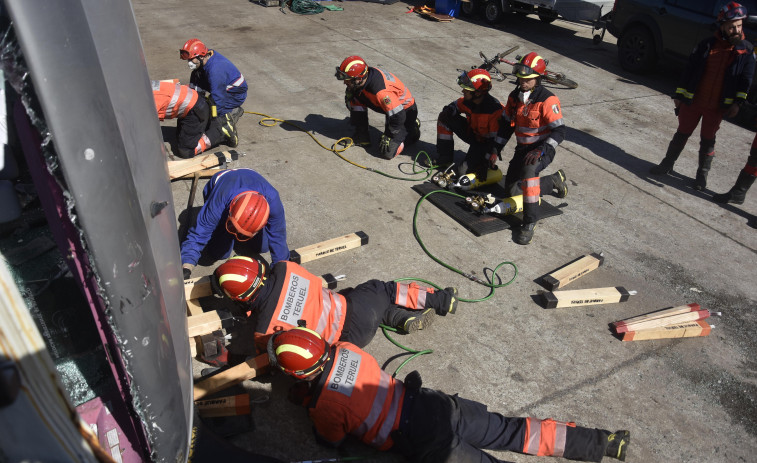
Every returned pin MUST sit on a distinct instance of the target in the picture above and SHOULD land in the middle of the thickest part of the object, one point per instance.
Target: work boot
(418, 322)
(618, 446)
(449, 301)
(706, 155)
(561, 183)
(229, 130)
(525, 233)
(237, 113)
(675, 147)
(361, 137)
(737, 193)
(414, 134)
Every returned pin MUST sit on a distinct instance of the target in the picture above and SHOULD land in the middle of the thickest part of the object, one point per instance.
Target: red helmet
(475, 79)
(353, 67)
(192, 49)
(731, 11)
(531, 65)
(240, 277)
(248, 214)
(299, 352)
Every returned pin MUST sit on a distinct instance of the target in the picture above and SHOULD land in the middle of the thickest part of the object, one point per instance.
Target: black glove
(388, 147)
(445, 117)
(533, 156)
(187, 273)
(347, 99)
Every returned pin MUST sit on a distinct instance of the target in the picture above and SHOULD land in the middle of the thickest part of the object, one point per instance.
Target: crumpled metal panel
(86, 62)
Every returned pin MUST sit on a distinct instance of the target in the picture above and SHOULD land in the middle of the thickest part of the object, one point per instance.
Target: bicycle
(490, 65)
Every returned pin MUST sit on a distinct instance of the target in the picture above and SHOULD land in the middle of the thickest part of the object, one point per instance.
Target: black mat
(478, 224)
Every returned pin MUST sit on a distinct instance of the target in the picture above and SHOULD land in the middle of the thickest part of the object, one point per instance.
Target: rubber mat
(478, 224)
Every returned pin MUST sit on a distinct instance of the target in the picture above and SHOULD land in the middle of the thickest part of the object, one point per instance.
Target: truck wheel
(493, 11)
(636, 49)
(470, 8)
(546, 15)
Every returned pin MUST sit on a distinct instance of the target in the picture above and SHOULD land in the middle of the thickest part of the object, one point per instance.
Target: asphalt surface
(688, 400)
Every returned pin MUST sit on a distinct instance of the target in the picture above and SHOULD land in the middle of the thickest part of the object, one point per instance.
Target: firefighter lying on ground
(280, 296)
(173, 100)
(239, 203)
(346, 392)
(381, 91)
(475, 119)
(534, 115)
(215, 76)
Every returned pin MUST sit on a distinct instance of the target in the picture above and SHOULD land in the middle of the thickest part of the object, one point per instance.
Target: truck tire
(493, 11)
(470, 8)
(636, 49)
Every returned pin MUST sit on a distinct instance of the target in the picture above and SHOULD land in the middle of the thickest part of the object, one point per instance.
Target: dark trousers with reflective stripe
(517, 171)
(190, 128)
(372, 303)
(476, 160)
(436, 427)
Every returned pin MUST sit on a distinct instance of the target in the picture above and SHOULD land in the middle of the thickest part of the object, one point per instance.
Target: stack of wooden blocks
(684, 321)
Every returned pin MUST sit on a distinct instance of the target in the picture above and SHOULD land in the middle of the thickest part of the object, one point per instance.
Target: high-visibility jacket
(172, 99)
(483, 119)
(384, 93)
(737, 78)
(536, 122)
(291, 293)
(355, 396)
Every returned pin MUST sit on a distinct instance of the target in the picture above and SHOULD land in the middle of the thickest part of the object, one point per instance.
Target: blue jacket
(224, 82)
(218, 193)
(738, 74)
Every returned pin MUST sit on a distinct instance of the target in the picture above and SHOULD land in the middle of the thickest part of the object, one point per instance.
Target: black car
(648, 30)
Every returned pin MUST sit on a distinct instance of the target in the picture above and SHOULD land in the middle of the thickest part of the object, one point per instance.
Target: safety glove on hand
(385, 145)
(533, 156)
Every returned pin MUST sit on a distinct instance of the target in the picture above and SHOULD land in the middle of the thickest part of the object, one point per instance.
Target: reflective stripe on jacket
(383, 93)
(172, 99)
(537, 121)
(355, 396)
(300, 295)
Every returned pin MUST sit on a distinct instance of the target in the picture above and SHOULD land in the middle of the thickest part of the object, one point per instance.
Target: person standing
(534, 115)
(347, 393)
(214, 75)
(737, 193)
(383, 92)
(713, 85)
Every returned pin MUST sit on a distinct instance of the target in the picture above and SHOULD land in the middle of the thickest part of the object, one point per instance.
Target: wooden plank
(207, 173)
(234, 375)
(177, 169)
(577, 297)
(224, 406)
(193, 307)
(197, 287)
(572, 271)
(679, 330)
(207, 322)
(658, 314)
(328, 247)
(658, 322)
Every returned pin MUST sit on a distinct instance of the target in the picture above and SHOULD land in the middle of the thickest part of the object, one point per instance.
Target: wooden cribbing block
(207, 173)
(208, 322)
(572, 271)
(576, 297)
(197, 287)
(249, 369)
(232, 405)
(177, 169)
(679, 330)
(328, 247)
(658, 322)
(658, 314)
(193, 307)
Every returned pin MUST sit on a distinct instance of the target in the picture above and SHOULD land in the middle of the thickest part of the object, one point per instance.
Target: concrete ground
(689, 400)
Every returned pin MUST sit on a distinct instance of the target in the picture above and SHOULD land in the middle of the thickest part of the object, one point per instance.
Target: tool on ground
(328, 247)
(507, 206)
(594, 296)
(442, 179)
(572, 271)
(490, 65)
(234, 405)
(478, 203)
(689, 316)
(471, 181)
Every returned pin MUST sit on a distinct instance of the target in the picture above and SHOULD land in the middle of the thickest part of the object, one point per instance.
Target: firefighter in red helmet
(176, 101)
(533, 114)
(474, 118)
(347, 393)
(383, 92)
(286, 295)
(241, 209)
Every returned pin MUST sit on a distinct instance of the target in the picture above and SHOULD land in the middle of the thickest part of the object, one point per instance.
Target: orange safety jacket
(483, 121)
(384, 93)
(301, 296)
(172, 99)
(355, 396)
(536, 122)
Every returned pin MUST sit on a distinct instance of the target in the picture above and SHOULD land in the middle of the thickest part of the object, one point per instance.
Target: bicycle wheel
(558, 78)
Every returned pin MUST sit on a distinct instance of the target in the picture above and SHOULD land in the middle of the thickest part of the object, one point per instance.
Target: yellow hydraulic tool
(471, 182)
